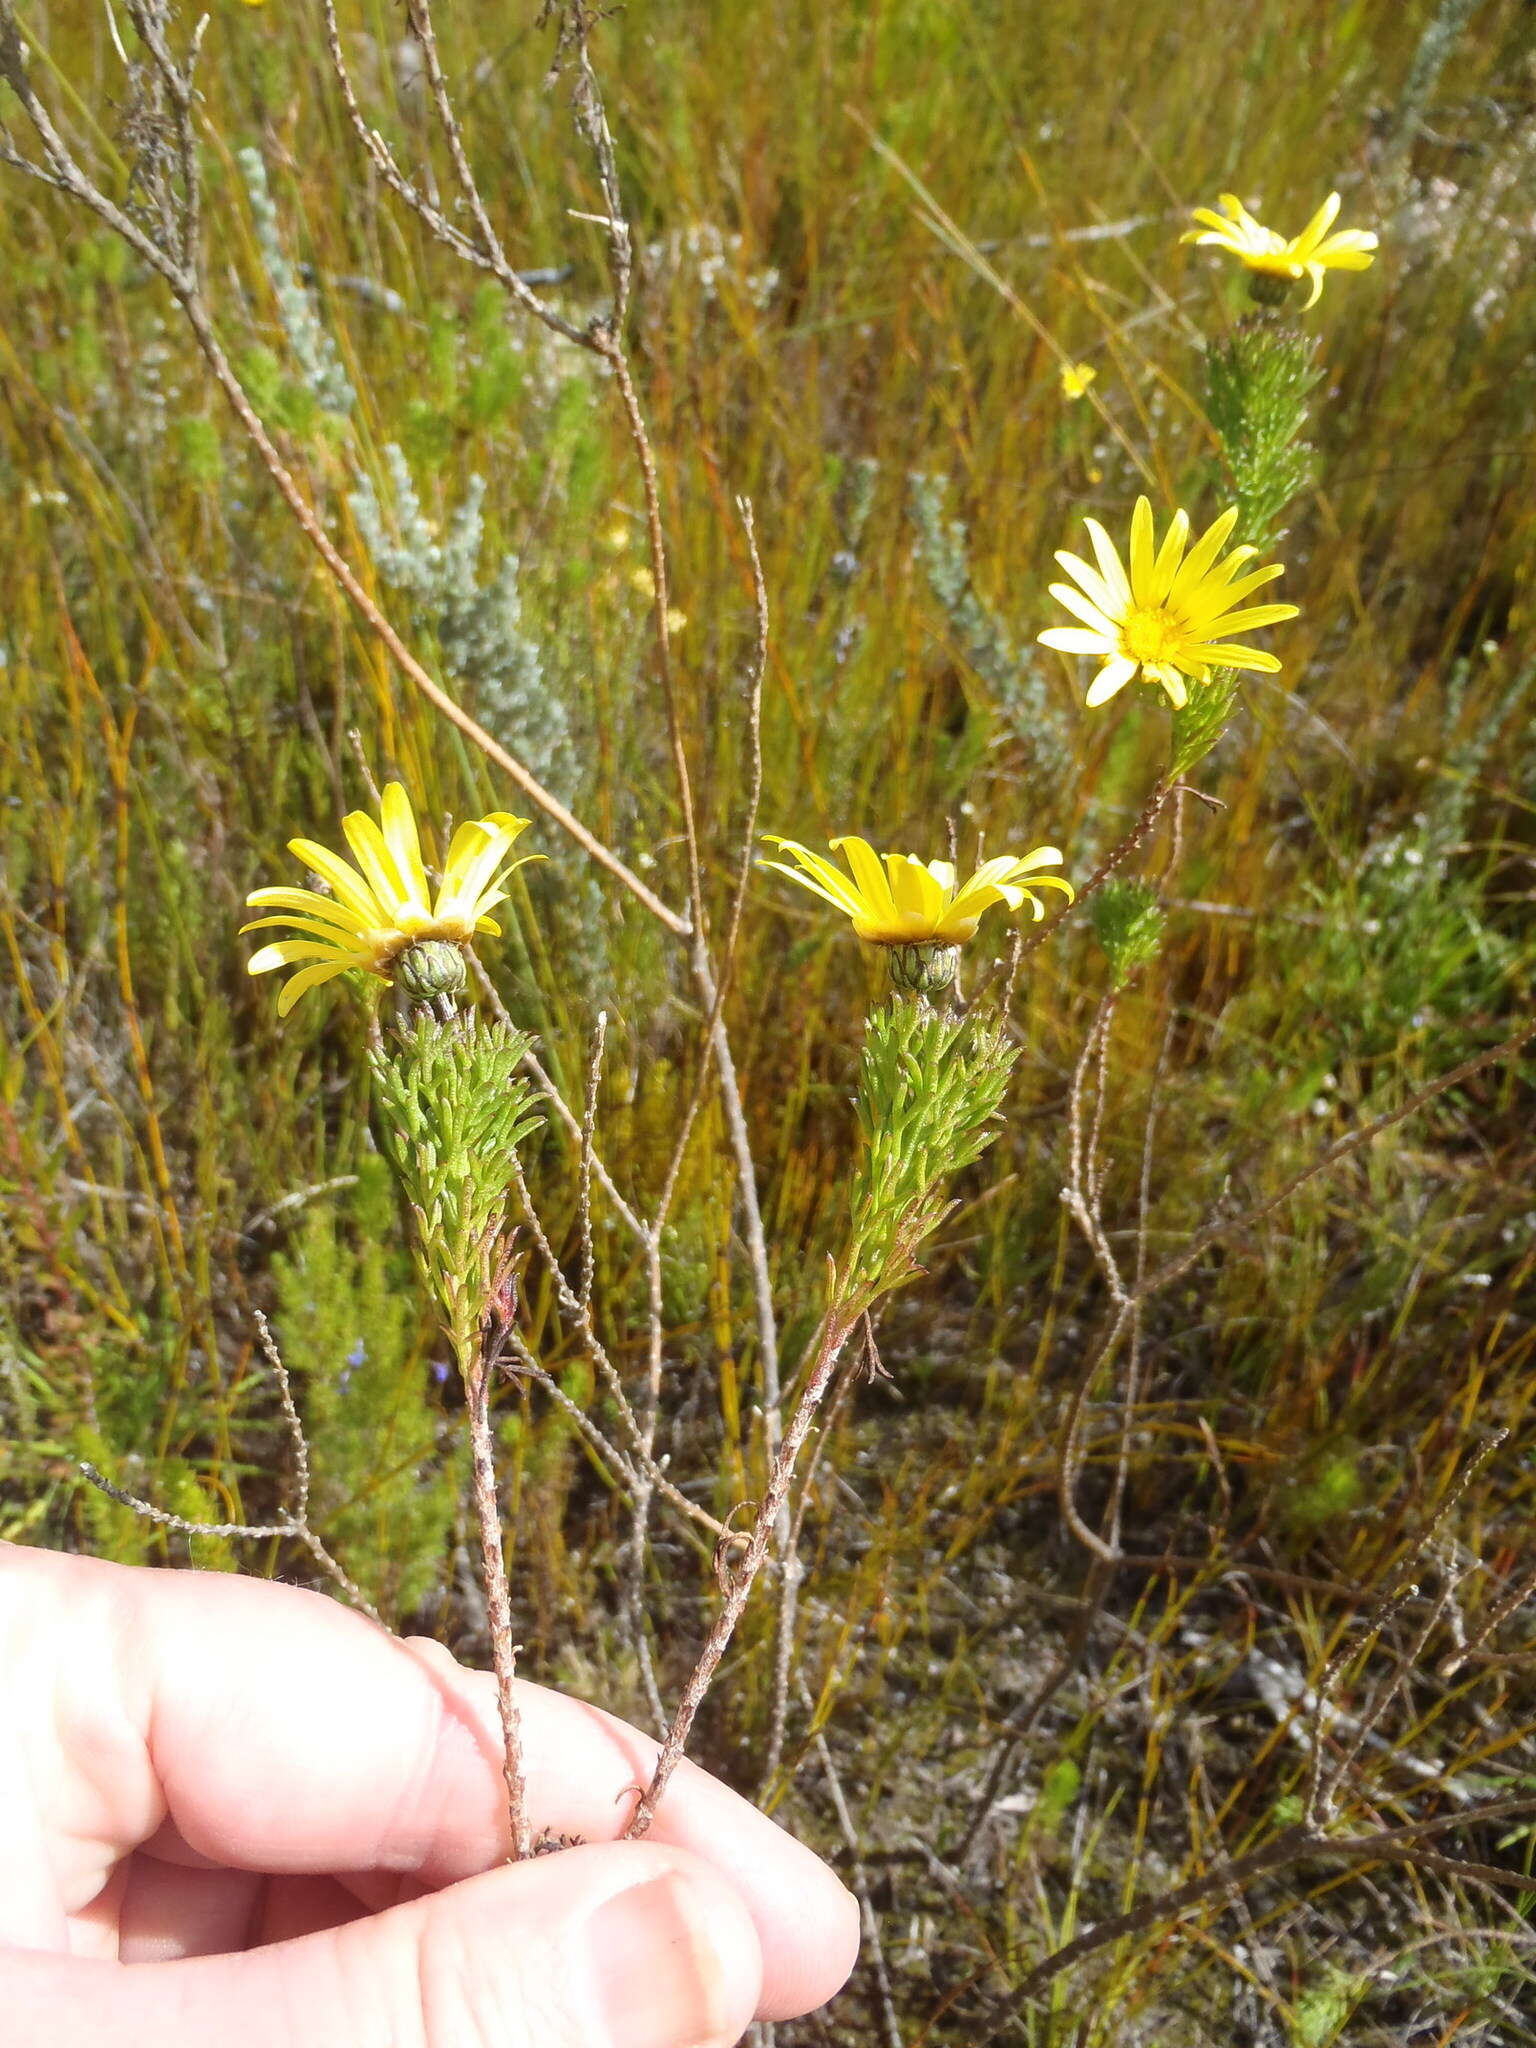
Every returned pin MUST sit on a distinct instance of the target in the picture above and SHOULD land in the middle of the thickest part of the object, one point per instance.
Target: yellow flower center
(1152, 634)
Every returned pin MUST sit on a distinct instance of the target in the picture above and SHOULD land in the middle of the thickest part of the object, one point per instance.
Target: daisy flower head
(899, 900)
(384, 905)
(1075, 379)
(1271, 259)
(1167, 617)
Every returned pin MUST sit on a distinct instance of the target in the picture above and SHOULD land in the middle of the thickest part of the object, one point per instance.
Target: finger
(271, 1729)
(604, 1947)
(170, 1910)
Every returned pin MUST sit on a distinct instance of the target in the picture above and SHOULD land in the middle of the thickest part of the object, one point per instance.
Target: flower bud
(432, 967)
(1269, 288)
(923, 969)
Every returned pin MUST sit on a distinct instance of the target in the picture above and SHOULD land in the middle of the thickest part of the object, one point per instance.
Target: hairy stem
(498, 1605)
(840, 1324)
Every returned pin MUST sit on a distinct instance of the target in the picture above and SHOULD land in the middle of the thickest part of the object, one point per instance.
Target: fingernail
(669, 1958)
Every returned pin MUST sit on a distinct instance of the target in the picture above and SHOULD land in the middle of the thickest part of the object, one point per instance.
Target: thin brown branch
(611, 349)
(1230, 1226)
(841, 1321)
(294, 1525)
(377, 623)
(1112, 862)
(743, 875)
(644, 1465)
(544, 1082)
(493, 1571)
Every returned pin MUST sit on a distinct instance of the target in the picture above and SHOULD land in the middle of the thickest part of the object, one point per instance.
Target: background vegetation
(180, 691)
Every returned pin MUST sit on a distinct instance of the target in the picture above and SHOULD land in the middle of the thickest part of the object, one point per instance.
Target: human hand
(239, 1813)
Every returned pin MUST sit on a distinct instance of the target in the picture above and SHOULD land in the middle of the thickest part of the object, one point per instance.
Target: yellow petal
(1037, 857)
(306, 979)
(820, 877)
(1111, 678)
(1201, 556)
(869, 875)
(1221, 656)
(1111, 568)
(918, 896)
(1078, 640)
(343, 941)
(1097, 589)
(1305, 244)
(1327, 258)
(283, 953)
(1216, 593)
(1257, 615)
(1141, 549)
(307, 903)
(403, 841)
(1169, 556)
(964, 914)
(473, 858)
(1081, 608)
(375, 860)
(345, 880)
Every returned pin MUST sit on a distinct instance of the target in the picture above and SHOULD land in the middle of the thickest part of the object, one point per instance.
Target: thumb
(616, 1945)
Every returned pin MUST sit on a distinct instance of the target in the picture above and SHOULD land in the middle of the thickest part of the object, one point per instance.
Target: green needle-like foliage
(1258, 381)
(1127, 921)
(930, 1090)
(1200, 721)
(453, 1108)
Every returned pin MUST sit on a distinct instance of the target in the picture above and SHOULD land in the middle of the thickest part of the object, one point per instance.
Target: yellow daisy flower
(1168, 616)
(1310, 254)
(903, 901)
(385, 903)
(1075, 379)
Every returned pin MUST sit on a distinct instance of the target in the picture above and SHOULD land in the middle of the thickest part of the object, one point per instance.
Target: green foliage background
(178, 693)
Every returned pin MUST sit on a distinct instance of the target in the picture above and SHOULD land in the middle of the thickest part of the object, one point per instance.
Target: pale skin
(240, 1813)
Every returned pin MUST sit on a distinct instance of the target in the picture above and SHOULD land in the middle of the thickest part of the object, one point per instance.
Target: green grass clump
(346, 1319)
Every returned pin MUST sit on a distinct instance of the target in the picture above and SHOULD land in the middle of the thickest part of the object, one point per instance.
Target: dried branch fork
(841, 1321)
(293, 1524)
